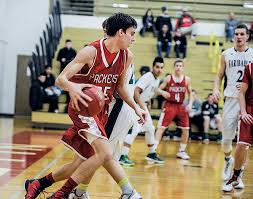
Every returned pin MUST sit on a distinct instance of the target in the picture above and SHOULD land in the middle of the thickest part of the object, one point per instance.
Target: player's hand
(238, 86)
(76, 94)
(165, 94)
(188, 108)
(216, 95)
(142, 114)
(247, 118)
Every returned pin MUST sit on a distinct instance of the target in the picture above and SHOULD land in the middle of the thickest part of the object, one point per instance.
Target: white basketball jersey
(130, 79)
(148, 83)
(235, 64)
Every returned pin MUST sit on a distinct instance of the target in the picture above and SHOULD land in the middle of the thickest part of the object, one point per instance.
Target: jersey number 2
(240, 75)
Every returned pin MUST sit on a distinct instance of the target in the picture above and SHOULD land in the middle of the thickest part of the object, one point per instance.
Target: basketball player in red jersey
(102, 63)
(176, 86)
(246, 127)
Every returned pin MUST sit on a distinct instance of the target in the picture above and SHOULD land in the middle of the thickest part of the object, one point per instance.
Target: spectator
(148, 23)
(186, 23)
(230, 25)
(195, 115)
(51, 99)
(163, 19)
(164, 41)
(212, 118)
(251, 32)
(66, 54)
(49, 83)
(180, 44)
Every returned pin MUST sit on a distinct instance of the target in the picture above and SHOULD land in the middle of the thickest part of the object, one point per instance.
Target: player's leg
(103, 156)
(245, 140)
(183, 123)
(129, 139)
(230, 122)
(151, 141)
(206, 125)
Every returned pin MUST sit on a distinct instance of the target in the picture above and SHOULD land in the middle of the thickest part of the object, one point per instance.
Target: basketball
(94, 106)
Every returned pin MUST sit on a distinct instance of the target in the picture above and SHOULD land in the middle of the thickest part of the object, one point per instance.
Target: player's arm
(83, 59)
(124, 94)
(189, 91)
(218, 79)
(161, 91)
(247, 118)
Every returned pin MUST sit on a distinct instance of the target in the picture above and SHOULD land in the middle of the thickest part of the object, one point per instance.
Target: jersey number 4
(177, 97)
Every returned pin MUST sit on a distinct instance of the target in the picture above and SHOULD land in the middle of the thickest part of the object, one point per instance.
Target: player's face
(210, 99)
(127, 38)
(158, 69)
(179, 68)
(241, 37)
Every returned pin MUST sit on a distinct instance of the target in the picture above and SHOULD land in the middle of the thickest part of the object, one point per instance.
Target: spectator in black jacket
(180, 44)
(164, 41)
(163, 19)
(212, 118)
(148, 23)
(66, 54)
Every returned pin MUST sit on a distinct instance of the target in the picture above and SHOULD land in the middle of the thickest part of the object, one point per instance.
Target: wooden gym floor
(28, 153)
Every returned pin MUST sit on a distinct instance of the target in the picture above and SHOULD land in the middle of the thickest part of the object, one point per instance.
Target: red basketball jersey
(104, 72)
(176, 90)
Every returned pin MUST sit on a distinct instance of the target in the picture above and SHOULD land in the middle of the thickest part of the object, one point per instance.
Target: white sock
(125, 150)
(182, 147)
(152, 149)
(227, 158)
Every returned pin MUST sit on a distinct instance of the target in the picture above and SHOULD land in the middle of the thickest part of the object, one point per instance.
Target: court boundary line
(50, 164)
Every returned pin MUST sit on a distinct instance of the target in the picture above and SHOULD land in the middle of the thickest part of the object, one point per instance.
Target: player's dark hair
(158, 59)
(243, 26)
(210, 94)
(67, 40)
(193, 90)
(178, 61)
(119, 21)
(104, 24)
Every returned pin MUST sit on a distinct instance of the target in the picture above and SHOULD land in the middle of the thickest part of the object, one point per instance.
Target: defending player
(233, 61)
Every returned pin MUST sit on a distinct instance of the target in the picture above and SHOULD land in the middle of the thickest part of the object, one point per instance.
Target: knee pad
(150, 135)
(227, 145)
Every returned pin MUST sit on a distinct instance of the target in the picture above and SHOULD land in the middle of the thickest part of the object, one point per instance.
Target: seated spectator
(195, 115)
(164, 41)
(49, 83)
(66, 54)
(45, 98)
(230, 25)
(180, 44)
(212, 118)
(148, 23)
(163, 19)
(187, 24)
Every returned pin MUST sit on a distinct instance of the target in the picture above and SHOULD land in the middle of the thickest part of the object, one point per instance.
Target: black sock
(46, 181)
(237, 172)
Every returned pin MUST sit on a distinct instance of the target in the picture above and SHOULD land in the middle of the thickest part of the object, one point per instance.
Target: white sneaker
(227, 170)
(133, 195)
(240, 185)
(73, 195)
(230, 184)
(183, 155)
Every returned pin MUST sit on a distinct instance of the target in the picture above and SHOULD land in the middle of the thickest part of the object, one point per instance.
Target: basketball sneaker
(230, 184)
(125, 161)
(73, 195)
(227, 170)
(240, 184)
(133, 195)
(183, 155)
(153, 157)
(33, 189)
